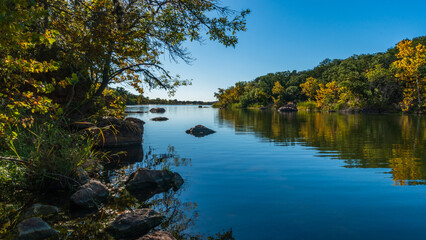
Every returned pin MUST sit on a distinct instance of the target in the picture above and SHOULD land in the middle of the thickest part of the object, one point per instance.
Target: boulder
(82, 176)
(199, 131)
(81, 125)
(291, 107)
(35, 229)
(159, 235)
(159, 119)
(134, 224)
(117, 132)
(145, 183)
(200, 106)
(90, 194)
(157, 110)
(39, 210)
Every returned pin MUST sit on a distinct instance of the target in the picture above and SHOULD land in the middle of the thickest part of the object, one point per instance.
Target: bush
(307, 106)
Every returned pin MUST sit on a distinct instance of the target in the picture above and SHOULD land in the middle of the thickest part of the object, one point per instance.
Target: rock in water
(157, 110)
(145, 183)
(38, 210)
(159, 235)
(90, 194)
(159, 119)
(35, 229)
(117, 132)
(200, 131)
(134, 224)
(291, 107)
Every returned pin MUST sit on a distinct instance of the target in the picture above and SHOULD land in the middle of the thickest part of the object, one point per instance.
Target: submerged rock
(157, 110)
(200, 131)
(145, 183)
(39, 210)
(35, 229)
(159, 235)
(90, 194)
(291, 107)
(134, 224)
(117, 132)
(159, 119)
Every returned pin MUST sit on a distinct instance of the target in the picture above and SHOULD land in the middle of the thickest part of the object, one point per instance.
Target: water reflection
(179, 216)
(396, 142)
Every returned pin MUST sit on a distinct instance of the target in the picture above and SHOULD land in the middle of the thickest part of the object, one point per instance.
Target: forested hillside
(391, 81)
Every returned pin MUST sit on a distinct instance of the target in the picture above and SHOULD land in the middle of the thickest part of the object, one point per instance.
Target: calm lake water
(267, 175)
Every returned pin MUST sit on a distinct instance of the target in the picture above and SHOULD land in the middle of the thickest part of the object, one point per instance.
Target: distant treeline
(133, 99)
(391, 81)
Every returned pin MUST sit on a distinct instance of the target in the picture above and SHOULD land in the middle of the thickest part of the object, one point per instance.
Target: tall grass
(49, 155)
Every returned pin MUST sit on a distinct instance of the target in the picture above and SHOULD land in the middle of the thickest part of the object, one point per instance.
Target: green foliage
(362, 81)
(48, 155)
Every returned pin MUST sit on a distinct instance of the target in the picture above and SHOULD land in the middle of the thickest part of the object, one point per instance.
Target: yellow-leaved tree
(410, 60)
(278, 90)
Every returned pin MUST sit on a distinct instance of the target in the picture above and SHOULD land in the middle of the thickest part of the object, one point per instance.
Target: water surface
(268, 175)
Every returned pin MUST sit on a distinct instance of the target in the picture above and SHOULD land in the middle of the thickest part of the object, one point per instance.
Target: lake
(268, 175)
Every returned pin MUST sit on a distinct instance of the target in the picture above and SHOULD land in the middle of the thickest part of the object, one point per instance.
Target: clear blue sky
(296, 35)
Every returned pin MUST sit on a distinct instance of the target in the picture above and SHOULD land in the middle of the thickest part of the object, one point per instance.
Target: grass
(47, 155)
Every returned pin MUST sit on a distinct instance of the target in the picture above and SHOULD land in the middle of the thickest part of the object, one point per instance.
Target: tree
(121, 41)
(310, 87)
(278, 90)
(410, 60)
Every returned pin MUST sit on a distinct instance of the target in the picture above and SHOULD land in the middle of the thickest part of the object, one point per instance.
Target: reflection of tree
(367, 141)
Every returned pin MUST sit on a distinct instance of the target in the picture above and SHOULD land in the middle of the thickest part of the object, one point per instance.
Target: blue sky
(295, 35)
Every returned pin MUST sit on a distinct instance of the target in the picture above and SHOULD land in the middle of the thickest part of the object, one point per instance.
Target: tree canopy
(60, 55)
(390, 81)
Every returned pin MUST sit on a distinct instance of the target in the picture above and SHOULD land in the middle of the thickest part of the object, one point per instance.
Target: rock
(291, 107)
(39, 210)
(157, 110)
(35, 229)
(134, 224)
(90, 194)
(159, 119)
(145, 183)
(177, 181)
(82, 176)
(81, 125)
(200, 106)
(200, 131)
(136, 121)
(159, 235)
(263, 108)
(117, 132)
(134, 112)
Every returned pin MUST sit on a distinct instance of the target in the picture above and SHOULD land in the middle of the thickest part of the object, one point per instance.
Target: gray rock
(35, 229)
(117, 132)
(157, 110)
(291, 107)
(159, 235)
(82, 176)
(199, 131)
(145, 183)
(134, 224)
(90, 194)
(159, 119)
(81, 125)
(39, 210)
